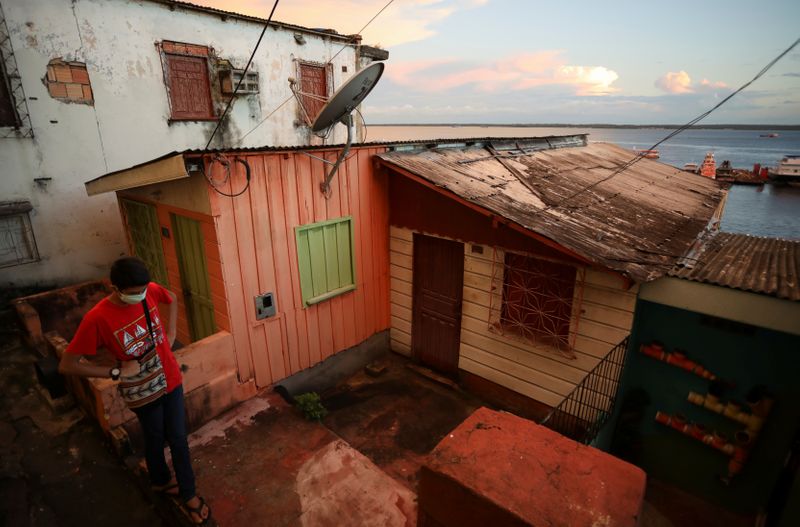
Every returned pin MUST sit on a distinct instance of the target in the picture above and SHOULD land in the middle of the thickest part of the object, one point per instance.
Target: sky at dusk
(528, 61)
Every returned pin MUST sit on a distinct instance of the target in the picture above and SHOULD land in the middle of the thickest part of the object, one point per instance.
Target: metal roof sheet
(640, 222)
(405, 145)
(232, 14)
(769, 266)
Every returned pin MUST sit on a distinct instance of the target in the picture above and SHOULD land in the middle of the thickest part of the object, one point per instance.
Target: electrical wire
(292, 95)
(390, 2)
(227, 164)
(675, 132)
(244, 74)
(364, 123)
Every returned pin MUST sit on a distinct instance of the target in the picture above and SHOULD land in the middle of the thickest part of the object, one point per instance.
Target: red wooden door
(438, 284)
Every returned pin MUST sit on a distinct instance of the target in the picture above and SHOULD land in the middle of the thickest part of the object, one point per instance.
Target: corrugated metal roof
(769, 266)
(406, 145)
(221, 12)
(639, 222)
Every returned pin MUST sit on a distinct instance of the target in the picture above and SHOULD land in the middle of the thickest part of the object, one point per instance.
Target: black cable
(675, 132)
(363, 27)
(227, 166)
(289, 98)
(244, 74)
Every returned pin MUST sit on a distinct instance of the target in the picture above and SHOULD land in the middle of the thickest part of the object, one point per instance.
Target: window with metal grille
(8, 113)
(186, 73)
(17, 244)
(326, 259)
(315, 84)
(535, 300)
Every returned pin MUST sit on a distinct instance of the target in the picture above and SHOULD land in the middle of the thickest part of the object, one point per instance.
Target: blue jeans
(165, 419)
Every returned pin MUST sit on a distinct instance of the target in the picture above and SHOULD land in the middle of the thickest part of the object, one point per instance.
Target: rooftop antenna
(339, 109)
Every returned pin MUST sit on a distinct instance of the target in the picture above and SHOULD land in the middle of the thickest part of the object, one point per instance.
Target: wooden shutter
(326, 259)
(145, 236)
(313, 83)
(189, 90)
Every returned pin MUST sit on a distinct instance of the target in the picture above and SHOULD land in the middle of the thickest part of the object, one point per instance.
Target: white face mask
(132, 299)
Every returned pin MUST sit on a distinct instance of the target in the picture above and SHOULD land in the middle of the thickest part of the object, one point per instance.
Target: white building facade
(94, 86)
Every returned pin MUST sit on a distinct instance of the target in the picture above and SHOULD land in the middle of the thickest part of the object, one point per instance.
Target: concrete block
(499, 469)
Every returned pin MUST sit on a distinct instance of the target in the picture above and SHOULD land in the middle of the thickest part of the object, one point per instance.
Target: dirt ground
(56, 469)
(396, 419)
(259, 464)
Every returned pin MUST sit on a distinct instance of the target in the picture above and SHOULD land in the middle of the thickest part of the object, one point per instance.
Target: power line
(244, 74)
(289, 98)
(390, 2)
(675, 132)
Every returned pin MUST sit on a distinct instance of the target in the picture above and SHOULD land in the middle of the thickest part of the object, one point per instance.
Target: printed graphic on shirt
(134, 338)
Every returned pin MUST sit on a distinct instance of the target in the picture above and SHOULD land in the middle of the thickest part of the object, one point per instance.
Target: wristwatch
(114, 373)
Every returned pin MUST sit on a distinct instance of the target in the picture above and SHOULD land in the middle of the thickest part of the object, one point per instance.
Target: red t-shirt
(123, 331)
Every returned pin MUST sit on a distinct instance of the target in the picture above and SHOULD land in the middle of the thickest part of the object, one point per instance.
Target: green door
(194, 276)
(145, 234)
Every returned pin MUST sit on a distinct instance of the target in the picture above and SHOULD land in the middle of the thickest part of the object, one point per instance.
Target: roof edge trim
(166, 169)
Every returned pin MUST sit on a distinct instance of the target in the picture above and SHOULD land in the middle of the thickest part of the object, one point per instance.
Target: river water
(768, 210)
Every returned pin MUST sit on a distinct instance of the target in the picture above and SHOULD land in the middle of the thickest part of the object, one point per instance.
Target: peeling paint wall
(78, 236)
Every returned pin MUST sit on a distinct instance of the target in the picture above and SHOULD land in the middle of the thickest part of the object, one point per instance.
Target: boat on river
(787, 171)
(649, 154)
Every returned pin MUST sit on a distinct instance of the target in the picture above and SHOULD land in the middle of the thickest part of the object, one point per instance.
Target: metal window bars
(536, 300)
(583, 412)
(17, 242)
(10, 75)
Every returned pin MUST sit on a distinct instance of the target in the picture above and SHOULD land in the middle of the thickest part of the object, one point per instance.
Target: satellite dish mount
(339, 109)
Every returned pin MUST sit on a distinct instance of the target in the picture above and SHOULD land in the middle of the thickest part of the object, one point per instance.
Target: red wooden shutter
(313, 80)
(190, 93)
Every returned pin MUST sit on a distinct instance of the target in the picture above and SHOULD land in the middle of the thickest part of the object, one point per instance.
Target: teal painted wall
(745, 355)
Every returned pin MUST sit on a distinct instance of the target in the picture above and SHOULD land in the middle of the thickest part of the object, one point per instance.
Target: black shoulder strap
(147, 317)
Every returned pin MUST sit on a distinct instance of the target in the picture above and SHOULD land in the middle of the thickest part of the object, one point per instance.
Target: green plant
(311, 406)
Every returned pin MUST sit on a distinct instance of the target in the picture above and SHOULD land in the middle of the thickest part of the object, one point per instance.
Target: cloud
(401, 23)
(706, 84)
(679, 82)
(515, 73)
(675, 82)
(792, 74)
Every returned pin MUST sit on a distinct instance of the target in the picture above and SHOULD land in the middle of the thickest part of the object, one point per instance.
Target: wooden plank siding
(535, 370)
(259, 255)
(401, 251)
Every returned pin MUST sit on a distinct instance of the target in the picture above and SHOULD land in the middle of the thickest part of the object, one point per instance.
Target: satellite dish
(340, 109)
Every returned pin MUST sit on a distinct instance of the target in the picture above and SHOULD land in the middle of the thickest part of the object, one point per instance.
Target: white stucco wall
(78, 236)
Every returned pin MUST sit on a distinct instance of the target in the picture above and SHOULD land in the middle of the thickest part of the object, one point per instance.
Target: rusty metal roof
(769, 266)
(639, 223)
(231, 14)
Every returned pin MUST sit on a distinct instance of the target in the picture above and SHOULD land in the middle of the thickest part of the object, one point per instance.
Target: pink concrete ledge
(501, 470)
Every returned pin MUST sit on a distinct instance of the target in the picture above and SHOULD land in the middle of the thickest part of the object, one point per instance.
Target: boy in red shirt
(127, 323)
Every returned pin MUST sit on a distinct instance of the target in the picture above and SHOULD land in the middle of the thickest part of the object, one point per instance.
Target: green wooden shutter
(145, 234)
(326, 259)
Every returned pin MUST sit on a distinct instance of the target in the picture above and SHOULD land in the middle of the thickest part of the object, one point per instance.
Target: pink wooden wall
(256, 239)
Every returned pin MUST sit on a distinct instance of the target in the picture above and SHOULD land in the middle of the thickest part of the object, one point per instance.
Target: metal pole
(325, 186)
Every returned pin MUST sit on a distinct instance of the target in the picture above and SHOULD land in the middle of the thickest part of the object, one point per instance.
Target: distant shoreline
(765, 127)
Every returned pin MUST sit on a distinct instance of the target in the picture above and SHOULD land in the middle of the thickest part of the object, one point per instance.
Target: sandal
(198, 511)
